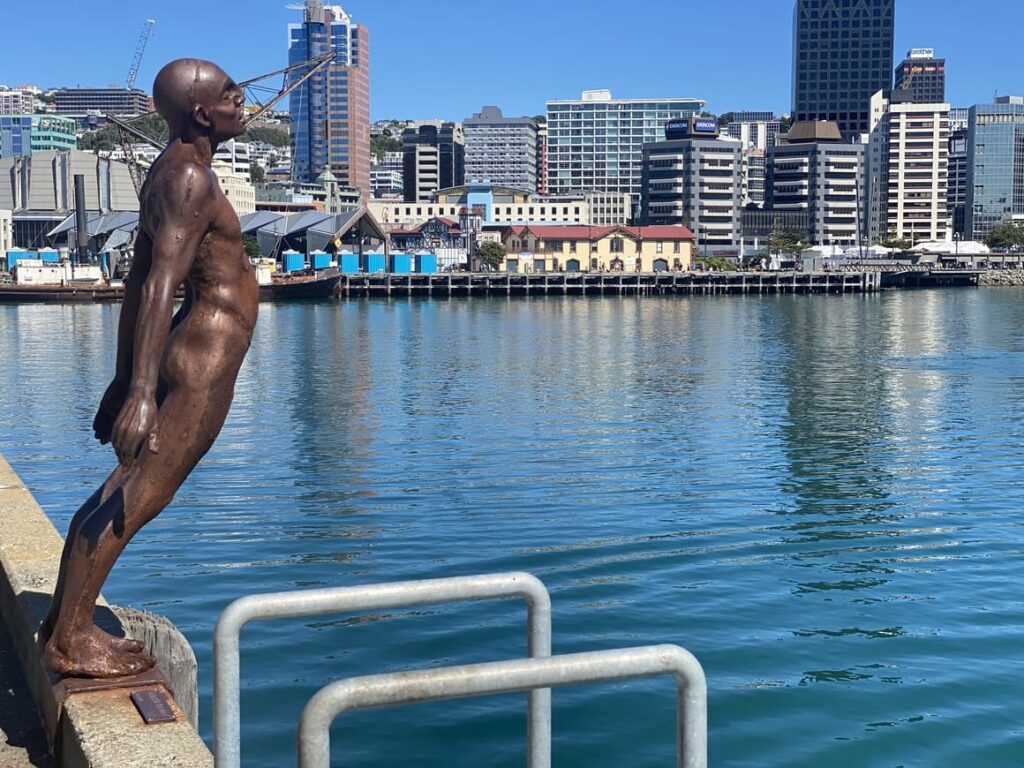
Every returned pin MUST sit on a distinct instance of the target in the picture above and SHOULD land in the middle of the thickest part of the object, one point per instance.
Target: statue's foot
(126, 644)
(93, 653)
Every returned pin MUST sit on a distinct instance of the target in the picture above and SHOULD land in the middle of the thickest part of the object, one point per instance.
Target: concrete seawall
(96, 729)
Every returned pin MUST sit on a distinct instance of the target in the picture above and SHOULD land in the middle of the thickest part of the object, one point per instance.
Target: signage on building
(677, 129)
(922, 53)
(682, 128)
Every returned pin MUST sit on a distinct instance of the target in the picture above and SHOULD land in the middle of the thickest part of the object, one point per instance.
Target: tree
(256, 173)
(785, 123)
(272, 136)
(893, 242)
(108, 138)
(491, 254)
(1006, 236)
(381, 144)
(252, 246)
(724, 120)
(717, 263)
(790, 241)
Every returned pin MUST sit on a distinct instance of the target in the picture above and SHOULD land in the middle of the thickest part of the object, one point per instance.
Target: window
(660, 248)
(617, 245)
(676, 247)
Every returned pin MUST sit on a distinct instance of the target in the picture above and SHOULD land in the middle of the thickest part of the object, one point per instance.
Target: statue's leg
(189, 420)
(101, 494)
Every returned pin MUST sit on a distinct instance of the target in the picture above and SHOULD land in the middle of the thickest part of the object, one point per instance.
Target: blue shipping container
(320, 260)
(426, 263)
(349, 263)
(292, 261)
(13, 257)
(49, 256)
(374, 262)
(401, 263)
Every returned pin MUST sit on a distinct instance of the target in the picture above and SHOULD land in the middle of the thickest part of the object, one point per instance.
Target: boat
(309, 284)
(12, 293)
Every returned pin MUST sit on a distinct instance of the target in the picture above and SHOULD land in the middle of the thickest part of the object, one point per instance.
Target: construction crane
(140, 48)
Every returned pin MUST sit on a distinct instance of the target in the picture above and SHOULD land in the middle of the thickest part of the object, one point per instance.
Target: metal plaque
(153, 706)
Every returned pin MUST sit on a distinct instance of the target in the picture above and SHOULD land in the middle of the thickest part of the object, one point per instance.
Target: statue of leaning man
(175, 376)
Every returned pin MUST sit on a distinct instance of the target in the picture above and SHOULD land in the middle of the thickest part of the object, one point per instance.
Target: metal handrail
(226, 665)
(314, 740)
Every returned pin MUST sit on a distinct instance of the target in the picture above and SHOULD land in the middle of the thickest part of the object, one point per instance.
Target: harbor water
(819, 496)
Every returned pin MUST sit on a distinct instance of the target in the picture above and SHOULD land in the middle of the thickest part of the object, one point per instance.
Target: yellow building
(596, 249)
(239, 192)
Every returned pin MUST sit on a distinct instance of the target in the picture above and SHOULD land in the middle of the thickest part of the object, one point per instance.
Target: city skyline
(742, 53)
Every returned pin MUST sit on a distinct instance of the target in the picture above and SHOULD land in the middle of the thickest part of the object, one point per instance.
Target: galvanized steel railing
(536, 674)
(226, 667)
(508, 676)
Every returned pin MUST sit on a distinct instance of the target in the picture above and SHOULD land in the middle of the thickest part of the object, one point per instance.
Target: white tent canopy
(963, 248)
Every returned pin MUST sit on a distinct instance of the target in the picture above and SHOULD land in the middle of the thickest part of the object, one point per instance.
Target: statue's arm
(184, 218)
(114, 397)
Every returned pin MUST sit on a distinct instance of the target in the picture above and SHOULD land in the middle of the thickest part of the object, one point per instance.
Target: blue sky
(447, 58)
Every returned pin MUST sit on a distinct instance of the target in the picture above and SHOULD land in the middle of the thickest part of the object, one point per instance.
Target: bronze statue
(175, 377)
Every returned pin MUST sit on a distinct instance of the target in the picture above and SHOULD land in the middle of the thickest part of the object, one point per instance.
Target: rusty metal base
(65, 687)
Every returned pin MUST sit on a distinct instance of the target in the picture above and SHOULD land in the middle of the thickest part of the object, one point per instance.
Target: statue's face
(222, 106)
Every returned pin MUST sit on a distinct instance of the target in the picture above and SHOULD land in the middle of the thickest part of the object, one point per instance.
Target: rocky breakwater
(1002, 277)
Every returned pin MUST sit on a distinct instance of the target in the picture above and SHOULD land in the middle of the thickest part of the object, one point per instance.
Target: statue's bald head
(182, 86)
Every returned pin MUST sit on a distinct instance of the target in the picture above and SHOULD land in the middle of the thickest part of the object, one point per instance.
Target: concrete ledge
(100, 729)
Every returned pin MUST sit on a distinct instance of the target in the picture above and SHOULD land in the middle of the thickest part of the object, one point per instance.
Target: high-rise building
(386, 176)
(956, 195)
(752, 176)
(754, 130)
(21, 135)
(118, 101)
(330, 112)
(908, 159)
(923, 75)
(433, 158)
(595, 143)
(959, 119)
(542, 156)
(995, 165)
(818, 174)
(501, 150)
(842, 56)
(693, 178)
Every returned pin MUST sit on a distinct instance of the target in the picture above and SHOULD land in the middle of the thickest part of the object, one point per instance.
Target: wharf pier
(605, 283)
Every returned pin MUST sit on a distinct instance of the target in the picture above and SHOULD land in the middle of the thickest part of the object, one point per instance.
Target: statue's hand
(110, 407)
(136, 423)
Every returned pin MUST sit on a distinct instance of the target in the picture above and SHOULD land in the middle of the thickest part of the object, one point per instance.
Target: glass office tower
(842, 56)
(331, 111)
(995, 165)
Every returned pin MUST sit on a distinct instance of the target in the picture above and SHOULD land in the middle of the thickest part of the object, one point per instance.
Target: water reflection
(818, 495)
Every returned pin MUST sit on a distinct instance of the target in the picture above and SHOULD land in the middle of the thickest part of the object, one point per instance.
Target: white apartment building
(595, 143)
(17, 101)
(267, 155)
(236, 154)
(908, 169)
